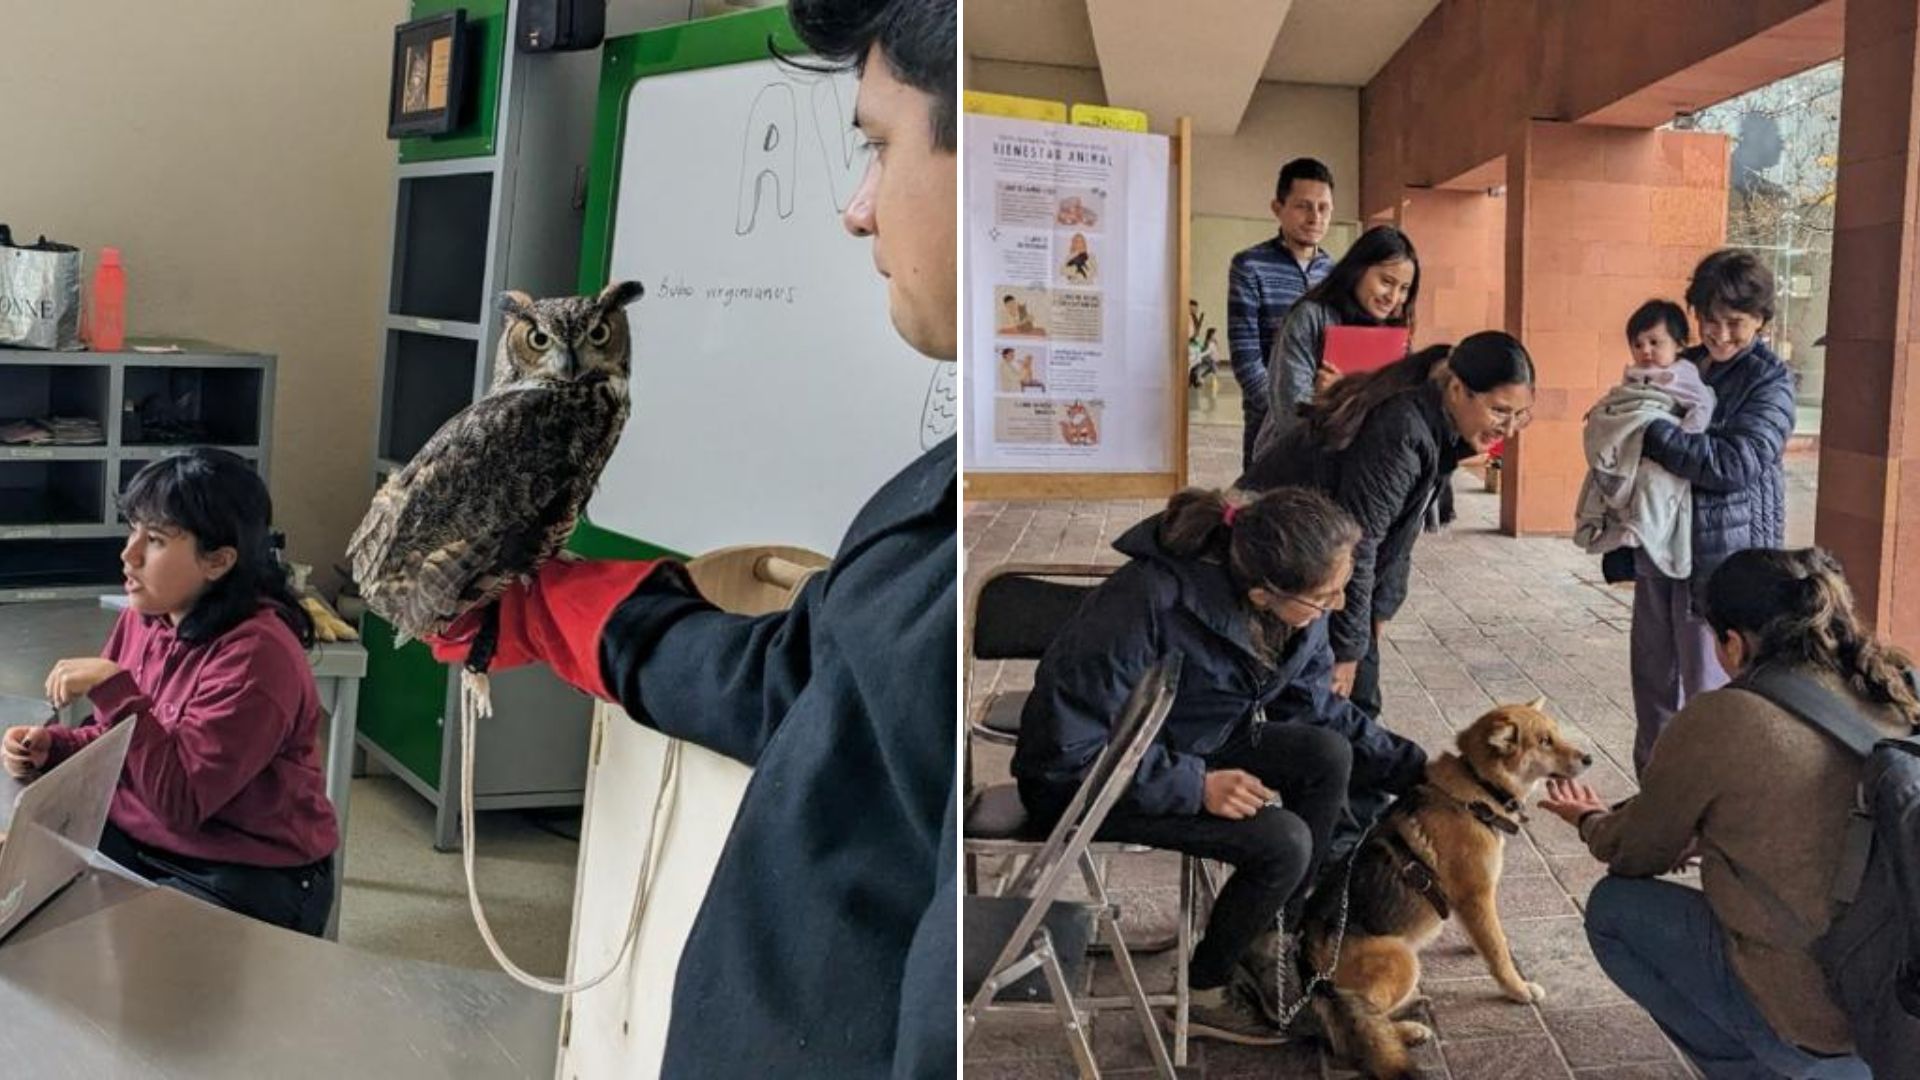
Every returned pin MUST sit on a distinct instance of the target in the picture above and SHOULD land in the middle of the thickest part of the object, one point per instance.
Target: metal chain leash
(1290, 1012)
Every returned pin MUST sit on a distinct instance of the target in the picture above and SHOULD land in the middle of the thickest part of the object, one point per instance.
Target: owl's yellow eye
(538, 339)
(599, 334)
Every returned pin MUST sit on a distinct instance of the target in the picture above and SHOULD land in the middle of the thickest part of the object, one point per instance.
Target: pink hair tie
(1227, 515)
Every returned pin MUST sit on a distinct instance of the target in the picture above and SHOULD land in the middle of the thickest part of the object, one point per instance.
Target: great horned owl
(498, 488)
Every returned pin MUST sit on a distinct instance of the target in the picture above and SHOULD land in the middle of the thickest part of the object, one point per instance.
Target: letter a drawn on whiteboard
(839, 143)
(768, 157)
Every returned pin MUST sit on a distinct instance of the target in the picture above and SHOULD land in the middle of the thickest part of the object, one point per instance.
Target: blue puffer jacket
(1160, 603)
(1735, 467)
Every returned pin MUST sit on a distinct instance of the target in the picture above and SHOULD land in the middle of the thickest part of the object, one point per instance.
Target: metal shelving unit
(60, 530)
(496, 205)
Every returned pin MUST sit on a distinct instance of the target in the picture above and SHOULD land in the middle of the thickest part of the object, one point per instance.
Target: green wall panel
(401, 698)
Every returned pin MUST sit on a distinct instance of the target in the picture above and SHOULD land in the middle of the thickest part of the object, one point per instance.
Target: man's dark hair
(1734, 280)
(1300, 168)
(917, 37)
(1658, 313)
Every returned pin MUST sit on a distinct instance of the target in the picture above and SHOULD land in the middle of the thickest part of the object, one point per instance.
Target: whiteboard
(771, 396)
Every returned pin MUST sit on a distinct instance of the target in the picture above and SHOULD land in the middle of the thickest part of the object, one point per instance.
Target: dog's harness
(1415, 872)
(1413, 869)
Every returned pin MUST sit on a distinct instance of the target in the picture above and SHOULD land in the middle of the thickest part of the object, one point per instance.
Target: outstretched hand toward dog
(1235, 794)
(1571, 800)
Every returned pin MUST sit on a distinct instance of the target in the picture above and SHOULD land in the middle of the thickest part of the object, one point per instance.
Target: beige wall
(1232, 174)
(239, 159)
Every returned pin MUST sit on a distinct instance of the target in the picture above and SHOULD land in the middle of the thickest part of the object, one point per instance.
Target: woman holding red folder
(1373, 285)
(1382, 444)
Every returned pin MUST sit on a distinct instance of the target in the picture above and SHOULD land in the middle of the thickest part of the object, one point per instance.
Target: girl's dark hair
(1659, 313)
(1484, 361)
(1732, 279)
(1288, 538)
(916, 37)
(1796, 610)
(218, 498)
(1380, 244)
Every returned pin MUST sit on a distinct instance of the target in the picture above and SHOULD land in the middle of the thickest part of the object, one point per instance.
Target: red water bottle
(107, 306)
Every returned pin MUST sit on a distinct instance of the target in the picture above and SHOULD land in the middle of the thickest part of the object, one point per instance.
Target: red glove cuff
(556, 619)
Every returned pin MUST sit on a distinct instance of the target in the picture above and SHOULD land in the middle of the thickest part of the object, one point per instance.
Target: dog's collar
(1480, 811)
(1492, 819)
(1507, 800)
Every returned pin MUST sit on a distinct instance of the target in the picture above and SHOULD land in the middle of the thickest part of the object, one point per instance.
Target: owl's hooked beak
(563, 363)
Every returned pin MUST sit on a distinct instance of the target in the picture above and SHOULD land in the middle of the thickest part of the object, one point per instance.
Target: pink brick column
(1869, 500)
(1598, 220)
(1461, 238)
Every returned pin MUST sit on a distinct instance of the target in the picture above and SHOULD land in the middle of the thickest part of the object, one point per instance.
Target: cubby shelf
(60, 530)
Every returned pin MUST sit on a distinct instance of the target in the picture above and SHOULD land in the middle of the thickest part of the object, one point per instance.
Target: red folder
(1353, 349)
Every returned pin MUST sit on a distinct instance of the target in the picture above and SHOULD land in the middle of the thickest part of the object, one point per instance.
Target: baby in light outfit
(1656, 334)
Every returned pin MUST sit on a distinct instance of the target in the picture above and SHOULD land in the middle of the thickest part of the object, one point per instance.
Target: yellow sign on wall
(1108, 116)
(1019, 108)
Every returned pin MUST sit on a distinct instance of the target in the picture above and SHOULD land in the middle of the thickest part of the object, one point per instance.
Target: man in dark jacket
(825, 946)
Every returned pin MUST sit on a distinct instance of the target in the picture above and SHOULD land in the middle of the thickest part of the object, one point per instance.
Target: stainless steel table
(117, 977)
(33, 637)
(162, 985)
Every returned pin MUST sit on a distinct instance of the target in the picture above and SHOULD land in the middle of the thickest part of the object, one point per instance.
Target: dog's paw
(1412, 1032)
(1526, 993)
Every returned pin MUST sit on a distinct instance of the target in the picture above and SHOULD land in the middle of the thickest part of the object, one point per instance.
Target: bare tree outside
(1786, 142)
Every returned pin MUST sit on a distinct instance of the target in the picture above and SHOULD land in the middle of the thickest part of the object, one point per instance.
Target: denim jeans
(1662, 945)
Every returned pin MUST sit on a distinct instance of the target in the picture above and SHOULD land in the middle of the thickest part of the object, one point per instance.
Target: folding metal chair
(1014, 614)
(1049, 937)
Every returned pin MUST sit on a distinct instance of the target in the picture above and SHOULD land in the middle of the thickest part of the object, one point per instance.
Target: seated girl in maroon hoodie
(222, 796)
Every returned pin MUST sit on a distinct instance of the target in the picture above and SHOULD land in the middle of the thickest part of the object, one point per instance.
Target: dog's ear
(1538, 704)
(1502, 736)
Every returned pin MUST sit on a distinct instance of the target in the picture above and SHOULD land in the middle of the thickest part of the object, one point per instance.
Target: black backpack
(1871, 952)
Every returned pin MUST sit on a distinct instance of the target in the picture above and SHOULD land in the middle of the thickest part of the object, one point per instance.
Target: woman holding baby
(1736, 472)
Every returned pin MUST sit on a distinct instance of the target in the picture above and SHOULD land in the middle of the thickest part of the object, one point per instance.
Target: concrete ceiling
(1342, 42)
(1330, 42)
(1150, 53)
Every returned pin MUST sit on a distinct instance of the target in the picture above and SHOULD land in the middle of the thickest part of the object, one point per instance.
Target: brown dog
(1436, 853)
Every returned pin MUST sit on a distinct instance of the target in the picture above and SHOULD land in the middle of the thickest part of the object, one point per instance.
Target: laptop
(56, 826)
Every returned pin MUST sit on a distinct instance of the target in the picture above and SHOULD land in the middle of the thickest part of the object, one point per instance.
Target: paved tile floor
(1490, 619)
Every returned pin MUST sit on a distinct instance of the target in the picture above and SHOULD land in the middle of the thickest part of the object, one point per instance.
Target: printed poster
(1069, 298)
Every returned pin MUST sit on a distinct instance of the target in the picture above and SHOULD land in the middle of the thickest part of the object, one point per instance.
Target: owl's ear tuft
(618, 295)
(516, 304)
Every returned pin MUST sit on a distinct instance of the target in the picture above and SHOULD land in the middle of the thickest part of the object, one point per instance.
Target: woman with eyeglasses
(1382, 444)
(1737, 471)
(1254, 762)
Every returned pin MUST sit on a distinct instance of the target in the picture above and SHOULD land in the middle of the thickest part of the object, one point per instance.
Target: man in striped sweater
(1267, 278)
